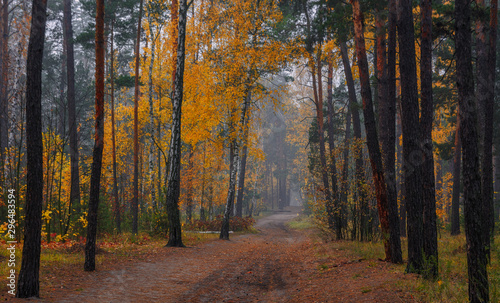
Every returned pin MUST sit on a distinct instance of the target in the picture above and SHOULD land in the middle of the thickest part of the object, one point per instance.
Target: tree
(95, 177)
(28, 283)
(387, 129)
(74, 196)
(370, 126)
(426, 117)
(476, 257)
(135, 201)
(412, 153)
(457, 161)
(174, 155)
(4, 78)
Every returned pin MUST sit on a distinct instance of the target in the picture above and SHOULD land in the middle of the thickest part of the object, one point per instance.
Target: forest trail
(275, 265)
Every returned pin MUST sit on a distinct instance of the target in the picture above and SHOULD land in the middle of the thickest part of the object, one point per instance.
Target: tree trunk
(428, 179)
(243, 160)
(387, 128)
(370, 127)
(28, 282)
(490, 106)
(476, 257)
(116, 201)
(174, 34)
(336, 203)
(95, 177)
(72, 119)
(233, 163)
(457, 161)
(135, 200)
(318, 98)
(174, 156)
(189, 194)
(486, 101)
(151, 127)
(358, 153)
(412, 153)
(4, 82)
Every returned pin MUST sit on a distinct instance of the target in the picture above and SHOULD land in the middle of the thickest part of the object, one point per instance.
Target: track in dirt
(275, 265)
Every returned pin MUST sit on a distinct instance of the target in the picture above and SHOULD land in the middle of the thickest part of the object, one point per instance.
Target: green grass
(451, 285)
(301, 222)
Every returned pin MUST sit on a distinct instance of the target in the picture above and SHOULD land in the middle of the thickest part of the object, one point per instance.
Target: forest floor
(278, 264)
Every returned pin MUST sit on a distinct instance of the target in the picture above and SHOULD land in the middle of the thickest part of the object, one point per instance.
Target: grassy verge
(452, 283)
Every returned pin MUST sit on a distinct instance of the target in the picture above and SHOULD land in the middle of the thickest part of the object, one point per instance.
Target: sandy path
(276, 265)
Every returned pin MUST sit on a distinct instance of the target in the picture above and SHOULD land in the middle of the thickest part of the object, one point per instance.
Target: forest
(374, 121)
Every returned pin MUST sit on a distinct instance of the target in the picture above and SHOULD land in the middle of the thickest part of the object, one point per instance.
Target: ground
(277, 264)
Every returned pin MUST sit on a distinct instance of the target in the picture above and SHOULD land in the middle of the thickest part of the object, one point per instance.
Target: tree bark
(457, 161)
(318, 98)
(72, 119)
(4, 81)
(135, 200)
(428, 178)
(336, 202)
(476, 257)
(116, 201)
(412, 153)
(233, 163)
(28, 282)
(243, 161)
(387, 128)
(370, 127)
(174, 156)
(95, 177)
(358, 154)
(189, 194)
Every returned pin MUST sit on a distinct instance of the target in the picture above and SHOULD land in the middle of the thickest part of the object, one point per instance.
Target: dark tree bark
(233, 163)
(135, 200)
(412, 153)
(370, 127)
(337, 217)
(95, 177)
(72, 119)
(189, 194)
(243, 164)
(488, 193)
(428, 179)
(318, 100)
(455, 199)
(476, 257)
(4, 81)
(486, 100)
(174, 156)
(116, 201)
(387, 129)
(28, 282)
(358, 154)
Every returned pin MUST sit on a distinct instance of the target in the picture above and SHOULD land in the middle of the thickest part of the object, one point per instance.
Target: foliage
(235, 224)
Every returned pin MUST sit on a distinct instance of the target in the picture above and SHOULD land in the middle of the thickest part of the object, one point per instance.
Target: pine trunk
(72, 119)
(412, 153)
(116, 201)
(336, 203)
(476, 257)
(358, 153)
(428, 178)
(370, 126)
(95, 177)
(457, 161)
(28, 282)
(387, 128)
(135, 200)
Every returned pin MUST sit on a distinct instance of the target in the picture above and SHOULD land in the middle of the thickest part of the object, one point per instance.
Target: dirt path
(276, 265)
